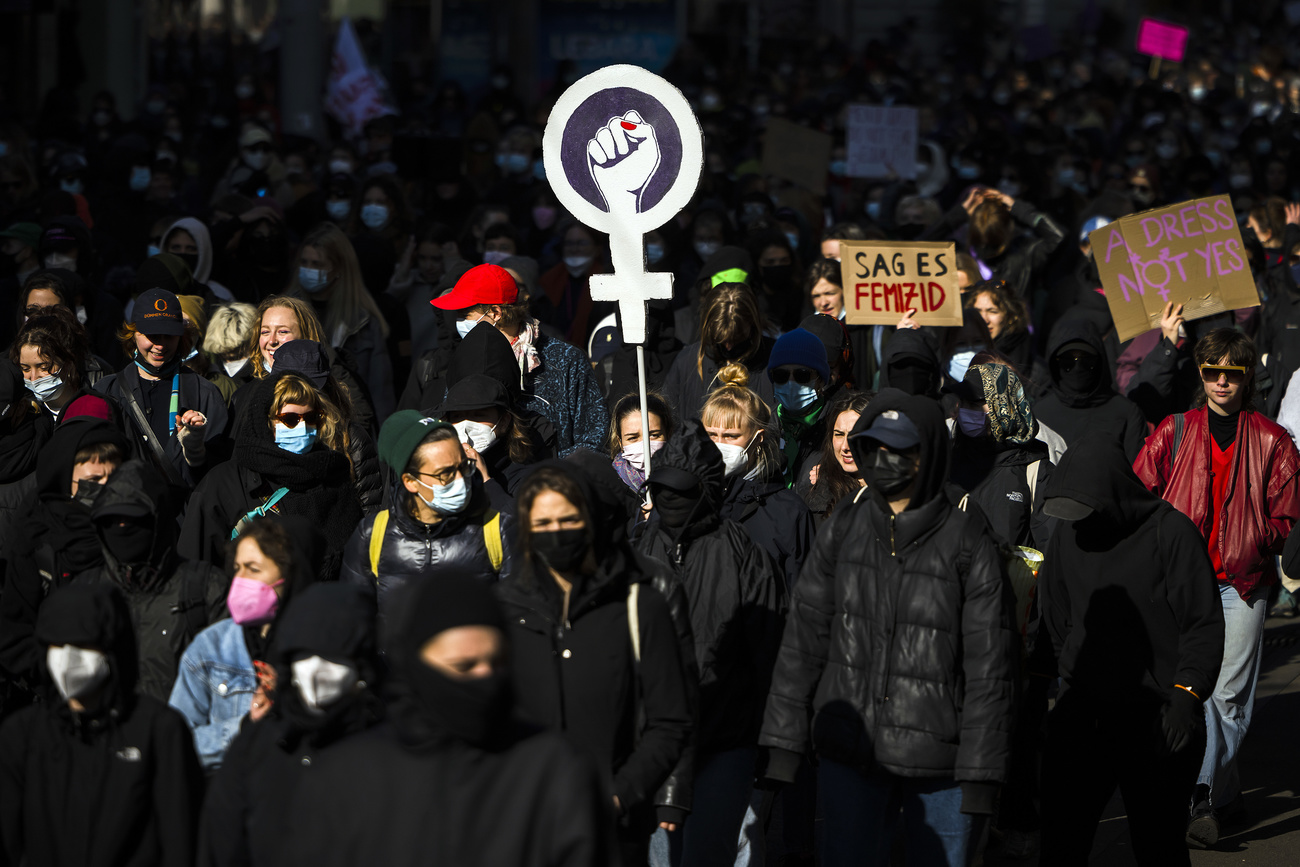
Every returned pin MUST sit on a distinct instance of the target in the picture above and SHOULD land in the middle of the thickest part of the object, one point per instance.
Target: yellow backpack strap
(377, 541)
(492, 539)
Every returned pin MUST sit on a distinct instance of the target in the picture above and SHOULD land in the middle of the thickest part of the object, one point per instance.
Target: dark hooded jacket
(319, 483)
(55, 543)
(912, 363)
(247, 803)
(1278, 337)
(117, 785)
(1078, 409)
(414, 551)
(899, 652)
(24, 431)
(1130, 606)
(578, 674)
(736, 597)
(171, 600)
(686, 388)
(424, 788)
(776, 520)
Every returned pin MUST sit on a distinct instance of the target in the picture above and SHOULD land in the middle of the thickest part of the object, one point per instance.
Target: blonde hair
(734, 405)
(309, 327)
(349, 301)
(332, 431)
(228, 331)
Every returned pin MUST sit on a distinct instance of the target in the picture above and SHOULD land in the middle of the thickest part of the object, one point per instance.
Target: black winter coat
(686, 390)
(579, 676)
(899, 650)
(366, 468)
(997, 479)
(776, 520)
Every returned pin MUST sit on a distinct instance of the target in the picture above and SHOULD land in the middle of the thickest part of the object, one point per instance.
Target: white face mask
(61, 260)
(320, 682)
(256, 160)
(577, 265)
(465, 326)
(480, 436)
(340, 167)
(495, 257)
(634, 453)
(76, 671)
(232, 367)
(735, 458)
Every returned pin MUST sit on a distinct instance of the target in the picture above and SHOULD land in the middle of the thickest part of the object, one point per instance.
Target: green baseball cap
(402, 434)
(28, 233)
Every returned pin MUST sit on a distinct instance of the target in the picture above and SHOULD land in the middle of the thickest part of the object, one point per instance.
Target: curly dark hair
(59, 337)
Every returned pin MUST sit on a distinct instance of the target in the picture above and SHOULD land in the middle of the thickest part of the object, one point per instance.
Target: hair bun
(733, 373)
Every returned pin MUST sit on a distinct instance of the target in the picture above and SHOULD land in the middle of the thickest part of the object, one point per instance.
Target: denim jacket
(214, 689)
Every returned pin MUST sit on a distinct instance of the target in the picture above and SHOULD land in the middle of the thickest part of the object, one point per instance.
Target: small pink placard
(1162, 39)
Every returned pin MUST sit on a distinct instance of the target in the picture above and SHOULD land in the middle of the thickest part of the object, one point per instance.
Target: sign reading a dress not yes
(1189, 254)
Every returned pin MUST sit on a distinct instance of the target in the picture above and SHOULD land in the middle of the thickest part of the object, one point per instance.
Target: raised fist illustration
(624, 155)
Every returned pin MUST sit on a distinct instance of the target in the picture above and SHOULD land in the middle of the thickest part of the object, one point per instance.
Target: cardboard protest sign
(881, 140)
(1190, 253)
(797, 154)
(1161, 39)
(885, 279)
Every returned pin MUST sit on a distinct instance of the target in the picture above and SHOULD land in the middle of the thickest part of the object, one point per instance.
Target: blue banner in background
(597, 33)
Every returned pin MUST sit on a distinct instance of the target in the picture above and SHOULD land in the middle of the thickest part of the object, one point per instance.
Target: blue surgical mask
(793, 238)
(515, 164)
(338, 209)
(960, 363)
(44, 388)
(968, 172)
(539, 170)
(873, 211)
(73, 186)
(448, 499)
(374, 216)
(140, 178)
(153, 250)
(654, 253)
(298, 440)
(465, 326)
(794, 396)
(839, 168)
(973, 422)
(313, 279)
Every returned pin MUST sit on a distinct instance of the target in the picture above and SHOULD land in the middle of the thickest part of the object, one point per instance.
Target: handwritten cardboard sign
(885, 279)
(1161, 39)
(797, 154)
(1190, 253)
(881, 140)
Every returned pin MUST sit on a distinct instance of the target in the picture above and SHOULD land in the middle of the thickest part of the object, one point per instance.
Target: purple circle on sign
(594, 113)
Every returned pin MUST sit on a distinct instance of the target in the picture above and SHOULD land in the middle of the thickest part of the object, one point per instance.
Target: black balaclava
(676, 508)
(129, 540)
(1079, 380)
(476, 711)
(913, 376)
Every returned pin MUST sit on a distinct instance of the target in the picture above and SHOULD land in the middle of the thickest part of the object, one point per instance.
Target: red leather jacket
(1263, 499)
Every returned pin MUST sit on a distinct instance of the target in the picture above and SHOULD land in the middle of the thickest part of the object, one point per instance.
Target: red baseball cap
(482, 284)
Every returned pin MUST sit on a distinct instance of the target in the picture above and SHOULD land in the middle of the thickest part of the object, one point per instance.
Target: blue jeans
(723, 783)
(862, 814)
(1227, 713)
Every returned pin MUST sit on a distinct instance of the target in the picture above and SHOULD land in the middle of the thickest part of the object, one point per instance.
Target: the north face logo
(1016, 497)
(129, 754)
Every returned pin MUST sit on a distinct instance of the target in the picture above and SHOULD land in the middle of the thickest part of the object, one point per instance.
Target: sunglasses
(1085, 363)
(1212, 372)
(291, 419)
(801, 375)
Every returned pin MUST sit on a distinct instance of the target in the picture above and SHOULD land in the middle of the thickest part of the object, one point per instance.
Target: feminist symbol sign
(624, 153)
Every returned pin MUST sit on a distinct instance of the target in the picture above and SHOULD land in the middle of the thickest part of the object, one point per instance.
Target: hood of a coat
(1095, 473)
(93, 615)
(1078, 330)
(21, 442)
(203, 240)
(54, 466)
(485, 350)
(137, 490)
(915, 348)
(926, 414)
(691, 451)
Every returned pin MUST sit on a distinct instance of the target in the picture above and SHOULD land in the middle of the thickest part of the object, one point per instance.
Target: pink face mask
(251, 602)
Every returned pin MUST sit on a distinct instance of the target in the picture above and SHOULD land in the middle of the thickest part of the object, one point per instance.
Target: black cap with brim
(673, 478)
(304, 357)
(892, 429)
(1075, 346)
(157, 312)
(475, 391)
(1066, 508)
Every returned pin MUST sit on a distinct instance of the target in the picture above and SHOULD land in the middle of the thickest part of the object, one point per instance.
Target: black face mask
(475, 711)
(675, 509)
(88, 492)
(912, 378)
(779, 278)
(1080, 380)
(892, 472)
(129, 542)
(563, 550)
(268, 251)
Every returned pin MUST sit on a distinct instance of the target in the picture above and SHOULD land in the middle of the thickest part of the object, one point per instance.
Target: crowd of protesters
(331, 531)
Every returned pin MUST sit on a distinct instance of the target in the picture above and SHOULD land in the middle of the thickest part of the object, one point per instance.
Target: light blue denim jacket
(214, 689)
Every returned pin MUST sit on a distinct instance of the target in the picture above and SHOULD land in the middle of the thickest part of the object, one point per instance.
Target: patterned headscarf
(1010, 418)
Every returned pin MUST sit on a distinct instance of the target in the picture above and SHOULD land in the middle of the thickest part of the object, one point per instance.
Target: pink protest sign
(1162, 39)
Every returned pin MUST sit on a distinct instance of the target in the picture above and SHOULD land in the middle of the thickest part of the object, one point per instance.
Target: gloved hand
(1180, 718)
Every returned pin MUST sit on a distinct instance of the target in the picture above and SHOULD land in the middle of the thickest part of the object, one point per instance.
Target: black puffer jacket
(416, 551)
(118, 786)
(1099, 411)
(171, 600)
(899, 649)
(736, 600)
(775, 518)
(366, 468)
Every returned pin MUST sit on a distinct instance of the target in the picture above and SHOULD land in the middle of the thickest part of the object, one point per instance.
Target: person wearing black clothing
(299, 470)
(596, 649)
(897, 665)
(171, 600)
(737, 604)
(1131, 619)
(912, 363)
(433, 784)
(96, 774)
(328, 671)
(24, 431)
(57, 540)
(1083, 403)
